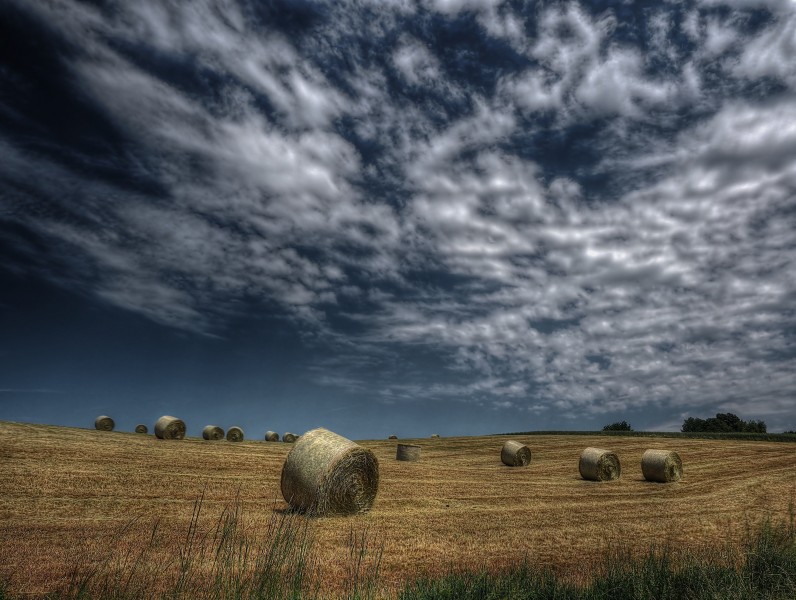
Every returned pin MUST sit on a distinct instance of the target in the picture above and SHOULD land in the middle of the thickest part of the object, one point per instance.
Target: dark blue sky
(447, 216)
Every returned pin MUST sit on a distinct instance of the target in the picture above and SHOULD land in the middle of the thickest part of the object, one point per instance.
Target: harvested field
(66, 492)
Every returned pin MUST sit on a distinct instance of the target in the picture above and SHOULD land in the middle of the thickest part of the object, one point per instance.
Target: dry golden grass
(67, 492)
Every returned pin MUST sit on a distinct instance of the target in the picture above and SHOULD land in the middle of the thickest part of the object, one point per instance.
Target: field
(69, 495)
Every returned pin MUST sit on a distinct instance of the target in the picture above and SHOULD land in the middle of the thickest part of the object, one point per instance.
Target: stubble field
(69, 496)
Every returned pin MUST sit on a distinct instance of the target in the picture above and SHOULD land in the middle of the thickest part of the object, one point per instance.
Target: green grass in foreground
(764, 569)
(284, 566)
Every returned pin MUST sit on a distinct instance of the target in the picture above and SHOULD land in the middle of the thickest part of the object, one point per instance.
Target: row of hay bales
(172, 428)
(661, 466)
(596, 464)
(325, 473)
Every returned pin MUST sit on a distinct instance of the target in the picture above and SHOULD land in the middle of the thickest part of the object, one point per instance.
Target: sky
(384, 217)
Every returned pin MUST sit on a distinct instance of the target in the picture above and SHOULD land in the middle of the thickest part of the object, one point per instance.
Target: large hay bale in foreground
(271, 436)
(662, 466)
(289, 437)
(213, 433)
(327, 474)
(407, 452)
(141, 428)
(234, 434)
(515, 454)
(597, 464)
(169, 428)
(103, 423)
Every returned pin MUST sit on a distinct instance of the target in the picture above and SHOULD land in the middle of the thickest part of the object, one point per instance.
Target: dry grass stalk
(141, 428)
(289, 437)
(407, 452)
(599, 465)
(213, 433)
(515, 454)
(103, 423)
(234, 434)
(271, 436)
(662, 466)
(327, 474)
(170, 428)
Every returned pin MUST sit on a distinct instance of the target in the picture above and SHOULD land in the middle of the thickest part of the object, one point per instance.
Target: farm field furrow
(68, 494)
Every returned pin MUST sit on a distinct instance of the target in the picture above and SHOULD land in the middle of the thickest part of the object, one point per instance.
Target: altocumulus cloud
(578, 208)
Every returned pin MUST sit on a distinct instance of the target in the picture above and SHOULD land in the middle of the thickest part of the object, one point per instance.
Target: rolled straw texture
(141, 429)
(407, 452)
(234, 434)
(169, 428)
(289, 437)
(271, 436)
(103, 423)
(213, 433)
(515, 454)
(327, 474)
(662, 466)
(597, 464)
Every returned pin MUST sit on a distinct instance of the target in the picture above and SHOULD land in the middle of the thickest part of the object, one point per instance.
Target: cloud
(599, 226)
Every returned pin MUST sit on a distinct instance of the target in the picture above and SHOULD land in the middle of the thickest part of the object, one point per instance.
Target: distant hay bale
(141, 429)
(515, 454)
(407, 452)
(662, 466)
(213, 433)
(271, 436)
(289, 437)
(327, 474)
(234, 434)
(103, 423)
(435, 436)
(599, 465)
(393, 437)
(169, 428)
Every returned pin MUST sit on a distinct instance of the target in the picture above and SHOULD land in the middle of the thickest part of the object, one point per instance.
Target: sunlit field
(72, 496)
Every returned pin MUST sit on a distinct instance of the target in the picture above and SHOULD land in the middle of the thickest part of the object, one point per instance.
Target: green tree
(618, 426)
(723, 422)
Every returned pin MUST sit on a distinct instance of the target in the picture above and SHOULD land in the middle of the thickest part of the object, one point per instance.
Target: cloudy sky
(409, 217)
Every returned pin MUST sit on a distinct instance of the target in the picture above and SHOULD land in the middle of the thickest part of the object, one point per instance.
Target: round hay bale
(141, 429)
(407, 452)
(170, 428)
(515, 454)
(234, 434)
(271, 436)
(393, 437)
(103, 423)
(213, 433)
(327, 474)
(599, 465)
(289, 437)
(661, 466)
